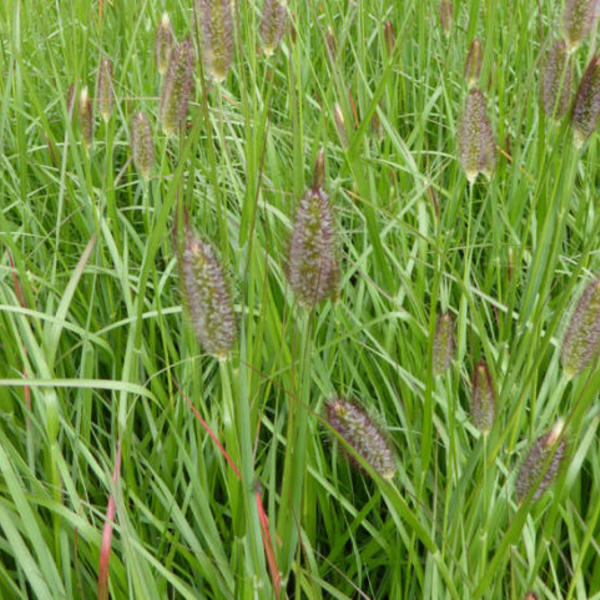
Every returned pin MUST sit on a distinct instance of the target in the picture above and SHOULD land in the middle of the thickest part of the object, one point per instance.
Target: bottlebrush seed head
(312, 269)
(207, 296)
(579, 18)
(582, 341)
(534, 464)
(272, 27)
(177, 87)
(86, 118)
(476, 141)
(586, 109)
(142, 147)
(356, 427)
(446, 15)
(390, 37)
(443, 344)
(163, 44)
(473, 63)
(104, 90)
(556, 81)
(217, 27)
(483, 407)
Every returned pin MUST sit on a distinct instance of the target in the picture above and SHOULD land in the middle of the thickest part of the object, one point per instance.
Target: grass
(97, 356)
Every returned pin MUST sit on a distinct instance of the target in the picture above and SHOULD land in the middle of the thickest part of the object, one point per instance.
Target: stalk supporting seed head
(217, 27)
(86, 118)
(483, 407)
(356, 427)
(443, 344)
(473, 63)
(104, 90)
(579, 18)
(272, 27)
(556, 82)
(142, 147)
(163, 44)
(586, 110)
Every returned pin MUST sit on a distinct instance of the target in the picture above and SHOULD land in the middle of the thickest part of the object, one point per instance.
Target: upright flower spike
(206, 295)
(104, 90)
(535, 463)
(272, 27)
(477, 149)
(312, 269)
(483, 406)
(163, 44)
(446, 15)
(217, 27)
(177, 87)
(443, 344)
(582, 341)
(586, 110)
(142, 147)
(473, 63)
(556, 81)
(356, 427)
(579, 18)
(86, 118)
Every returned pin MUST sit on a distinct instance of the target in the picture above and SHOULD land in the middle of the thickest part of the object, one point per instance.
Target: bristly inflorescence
(163, 44)
(556, 81)
(473, 63)
(586, 109)
(142, 147)
(206, 295)
(483, 404)
(86, 118)
(177, 87)
(545, 456)
(104, 89)
(358, 429)
(216, 19)
(443, 344)
(312, 269)
(477, 149)
(579, 18)
(582, 341)
(272, 26)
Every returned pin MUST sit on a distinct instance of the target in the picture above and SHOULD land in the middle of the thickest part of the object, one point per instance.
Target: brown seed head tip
(582, 340)
(363, 435)
(340, 124)
(217, 28)
(177, 87)
(586, 109)
(390, 37)
(163, 44)
(86, 118)
(483, 406)
(556, 81)
(473, 63)
(272, 27)
(142, 147)
(579, 18)
(104, 90)
(446, 15)
(331, 44)
(319, 172)
(443, 344)
(531, 596)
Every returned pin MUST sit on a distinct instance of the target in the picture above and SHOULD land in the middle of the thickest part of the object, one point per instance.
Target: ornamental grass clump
(105, 98)
(142, 147)
(541, 464)
(477, 149)
(216, 20)
(483, 403)
(582, 341)
(177, 87)
(163, 44)
(86, 118)
(272, 26)
(586, 109)
(312, 268)
(443, 344)
(579, 18)
(473, 63)
(358, 429)
(206, 295)
(556, 81)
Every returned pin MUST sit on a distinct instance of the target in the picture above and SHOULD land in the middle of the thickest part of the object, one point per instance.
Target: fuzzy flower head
(142, 147)
(586, 110)
(473, 63)
(556, 81)
(542, 451)
(582, 341)
(483, 405)
(272, 27)
(477, 150)
(312, 269)
(216, 20)
(177, 87)
(86, 118)
(579, 18)
(443, 344)
(104, 89)
(163, 44)
(206, 295)
(357, 428)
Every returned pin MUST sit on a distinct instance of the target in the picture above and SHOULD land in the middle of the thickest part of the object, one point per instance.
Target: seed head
(476, 140)
(556, 82)
(312, 269)
(483, 407)
(586, 109)
(356, 427)
(217, 26)
(443, 344)
(272, 27)
(104, 90)
(446, 15)
(164, 44)
(177, 87)
(579, 18)
(531, 596)
(331, 44)
(142, 147)
(473, 63)
(390, 37)
(582, 341)
(340, 124)
(86, 118)
(534, 464)
(206, 294)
